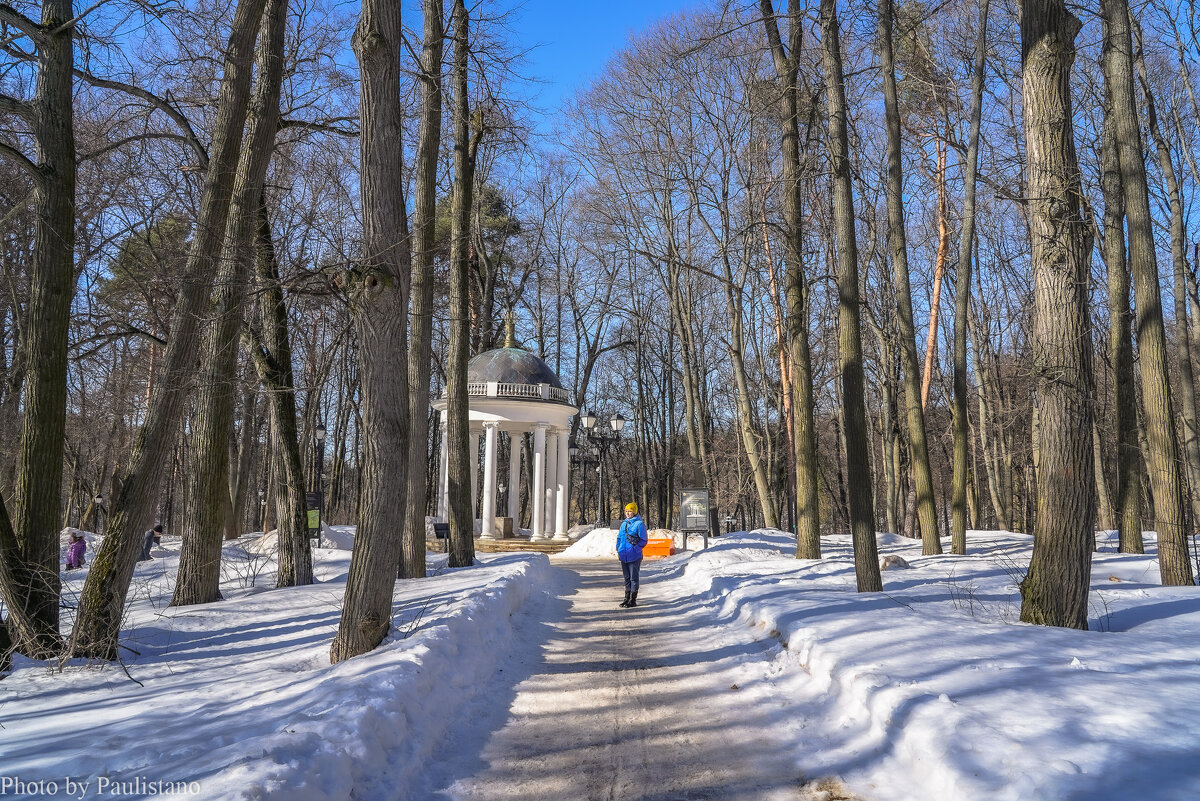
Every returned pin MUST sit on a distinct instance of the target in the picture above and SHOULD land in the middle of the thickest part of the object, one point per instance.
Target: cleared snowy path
(656, 703)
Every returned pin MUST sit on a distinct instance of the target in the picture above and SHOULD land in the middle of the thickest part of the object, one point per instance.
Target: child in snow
(152, 537)
(75, 551)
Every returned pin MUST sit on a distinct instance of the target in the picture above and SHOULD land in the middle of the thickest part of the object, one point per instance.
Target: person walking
(631, 538)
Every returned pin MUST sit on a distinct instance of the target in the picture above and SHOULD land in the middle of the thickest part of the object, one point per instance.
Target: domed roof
(510, 366)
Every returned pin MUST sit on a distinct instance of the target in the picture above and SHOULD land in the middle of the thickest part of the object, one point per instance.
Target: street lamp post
(603, 439)
(583, 459)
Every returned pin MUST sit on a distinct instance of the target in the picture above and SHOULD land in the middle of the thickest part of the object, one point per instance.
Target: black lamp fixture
(602, 439)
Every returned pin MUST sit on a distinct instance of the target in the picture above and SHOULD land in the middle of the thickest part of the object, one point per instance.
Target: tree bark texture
(858, 471)
(272, 356)
(102, 600)
(962, 297)
(922, 475)
(379, 305)
(1190, 427)
(412, 562)
(203, 526)
(808, 521)
(29, 542)
(1054, 591)
(458, 440)
(1162, 456)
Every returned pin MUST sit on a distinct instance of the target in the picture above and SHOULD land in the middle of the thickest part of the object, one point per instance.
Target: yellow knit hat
(631, 507)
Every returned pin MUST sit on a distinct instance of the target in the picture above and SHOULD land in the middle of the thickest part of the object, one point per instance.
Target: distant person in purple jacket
(631, 538)
(75, 551)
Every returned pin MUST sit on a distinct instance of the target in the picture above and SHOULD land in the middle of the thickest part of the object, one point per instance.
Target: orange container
(658, 547)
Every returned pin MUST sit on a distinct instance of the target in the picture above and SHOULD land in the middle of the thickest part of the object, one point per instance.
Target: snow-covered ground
(929, 690)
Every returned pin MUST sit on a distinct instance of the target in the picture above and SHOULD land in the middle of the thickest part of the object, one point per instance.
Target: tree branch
(10, 16)
(16, 107)
(136, 137)
(158, 103)
(21, 161)
(324, 127)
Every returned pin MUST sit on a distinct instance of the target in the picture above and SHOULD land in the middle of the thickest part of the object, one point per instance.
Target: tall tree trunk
(420, 354)
(272, 356)
(1104, 508)
(204, 523)
(808, 521)
(379, 305)
(786, 392)
(939, 269)
(1162, 459)
(962, 296)
(1178, 228)
(922, 475)
(29, 584)
(102, 601)
(1055, 590)
(243, 459)
(861, 506)
(749, 431)
(460, 477)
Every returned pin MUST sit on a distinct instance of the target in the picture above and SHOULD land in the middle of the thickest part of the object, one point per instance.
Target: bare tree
(412, 563)
(102, 601)
(787, 66)
(459, 476)
(858, 470)
(914, 396)
(962, 294)
(378, 291)
(1055, 590)
(1162, 456)
(29, 580)
(209, 504)
(1120, 342)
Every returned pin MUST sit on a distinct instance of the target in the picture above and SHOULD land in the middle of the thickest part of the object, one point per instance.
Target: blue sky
(571, 41)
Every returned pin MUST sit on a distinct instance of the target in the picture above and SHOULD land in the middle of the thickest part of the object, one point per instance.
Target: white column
(490, 452)
(443, 479)
(551, 481)
(474, 449)
(564, 465)
(538, 491)
(514, 476)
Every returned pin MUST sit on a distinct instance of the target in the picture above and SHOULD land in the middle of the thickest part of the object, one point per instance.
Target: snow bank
(932, 689)
(595, 544)
(240, 697)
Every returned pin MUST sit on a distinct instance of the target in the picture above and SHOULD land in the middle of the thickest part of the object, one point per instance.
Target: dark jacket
(631, 538)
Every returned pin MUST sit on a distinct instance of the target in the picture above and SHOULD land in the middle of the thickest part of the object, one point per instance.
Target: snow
(931, 689)
(602, 543)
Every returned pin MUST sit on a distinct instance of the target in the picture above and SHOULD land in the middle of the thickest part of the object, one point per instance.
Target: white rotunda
(512, 392)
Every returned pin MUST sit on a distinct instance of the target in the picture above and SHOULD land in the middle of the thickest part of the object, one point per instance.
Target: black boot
(632, 600)
(625, 603)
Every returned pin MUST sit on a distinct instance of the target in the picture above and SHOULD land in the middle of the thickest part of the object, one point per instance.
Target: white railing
(492, 389)
(520, 390)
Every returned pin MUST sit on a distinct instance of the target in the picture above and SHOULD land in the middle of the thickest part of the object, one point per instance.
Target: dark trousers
(632, 572)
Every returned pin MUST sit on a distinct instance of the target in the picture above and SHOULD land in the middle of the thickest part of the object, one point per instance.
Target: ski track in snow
(657, 703)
